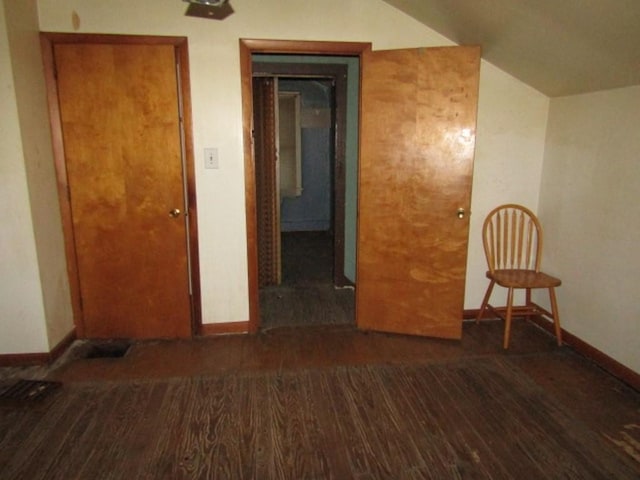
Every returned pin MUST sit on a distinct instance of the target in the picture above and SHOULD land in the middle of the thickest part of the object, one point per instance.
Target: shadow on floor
(306, 295)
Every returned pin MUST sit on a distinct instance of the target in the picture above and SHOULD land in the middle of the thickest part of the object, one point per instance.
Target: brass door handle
(174, 213)
(461, 213)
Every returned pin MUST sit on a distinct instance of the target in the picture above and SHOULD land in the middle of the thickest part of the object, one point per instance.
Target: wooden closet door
(119, 114)
(418, 127)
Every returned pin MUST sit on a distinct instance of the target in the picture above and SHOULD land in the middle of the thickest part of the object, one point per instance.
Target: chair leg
(485, 301)
(556, 315)
(507, 319)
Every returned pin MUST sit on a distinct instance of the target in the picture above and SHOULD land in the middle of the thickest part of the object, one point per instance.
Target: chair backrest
(512, 238)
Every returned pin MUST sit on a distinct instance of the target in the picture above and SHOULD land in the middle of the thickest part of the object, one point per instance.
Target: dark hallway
(306, 295)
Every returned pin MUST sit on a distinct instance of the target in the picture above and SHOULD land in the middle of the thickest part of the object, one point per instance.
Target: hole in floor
(110, 349)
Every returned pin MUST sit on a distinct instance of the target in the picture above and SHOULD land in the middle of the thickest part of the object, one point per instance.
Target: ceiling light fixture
(213, 9)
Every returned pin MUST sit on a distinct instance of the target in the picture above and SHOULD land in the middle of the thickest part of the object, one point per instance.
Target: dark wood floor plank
(198, 436)
(328, 424)
(594, 397)
(17, 424)
(88, 444)
(354, 427)
(563, 454)
(386, 428)
(292, 451)
(137, 438)
(461, 450)
(170, 461)
(236, 431)
(60, 426)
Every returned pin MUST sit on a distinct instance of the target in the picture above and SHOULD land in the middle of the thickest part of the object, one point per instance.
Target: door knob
(174, 213)
(461, 213)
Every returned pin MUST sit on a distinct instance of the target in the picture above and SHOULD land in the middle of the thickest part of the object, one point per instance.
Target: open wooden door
(418, 127)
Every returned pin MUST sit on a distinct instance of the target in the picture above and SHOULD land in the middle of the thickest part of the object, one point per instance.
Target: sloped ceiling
(559, 47)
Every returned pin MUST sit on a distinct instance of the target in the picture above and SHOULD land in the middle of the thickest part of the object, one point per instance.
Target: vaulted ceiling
(559, 47)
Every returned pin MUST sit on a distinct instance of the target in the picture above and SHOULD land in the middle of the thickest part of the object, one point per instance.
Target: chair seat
(523, 279)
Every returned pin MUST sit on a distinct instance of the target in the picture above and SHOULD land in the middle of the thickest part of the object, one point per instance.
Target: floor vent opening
(111, 349)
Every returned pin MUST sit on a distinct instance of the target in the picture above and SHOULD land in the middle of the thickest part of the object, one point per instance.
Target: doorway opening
(418, 108)
(301, 136)
(291, 49)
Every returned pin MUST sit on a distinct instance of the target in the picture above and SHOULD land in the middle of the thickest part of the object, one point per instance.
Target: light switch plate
(211, 158)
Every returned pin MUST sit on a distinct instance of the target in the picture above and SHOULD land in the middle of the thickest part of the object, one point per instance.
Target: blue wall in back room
(312, 210)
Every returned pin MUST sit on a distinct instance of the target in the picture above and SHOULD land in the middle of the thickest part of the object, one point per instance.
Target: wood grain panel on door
(266, 167)
(417, 147)
(121, 130)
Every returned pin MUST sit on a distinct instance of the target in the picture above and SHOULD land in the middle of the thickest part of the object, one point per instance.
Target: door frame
(48, 40)
(247, 48)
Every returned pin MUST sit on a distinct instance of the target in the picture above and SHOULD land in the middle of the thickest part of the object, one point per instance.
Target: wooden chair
(512, 239)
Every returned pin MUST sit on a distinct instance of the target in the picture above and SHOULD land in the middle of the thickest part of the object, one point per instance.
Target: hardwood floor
(597, 407)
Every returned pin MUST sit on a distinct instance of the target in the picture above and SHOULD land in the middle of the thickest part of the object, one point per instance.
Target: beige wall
(23, 307)
(511, 120)
(510, 143)
(590, 210)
